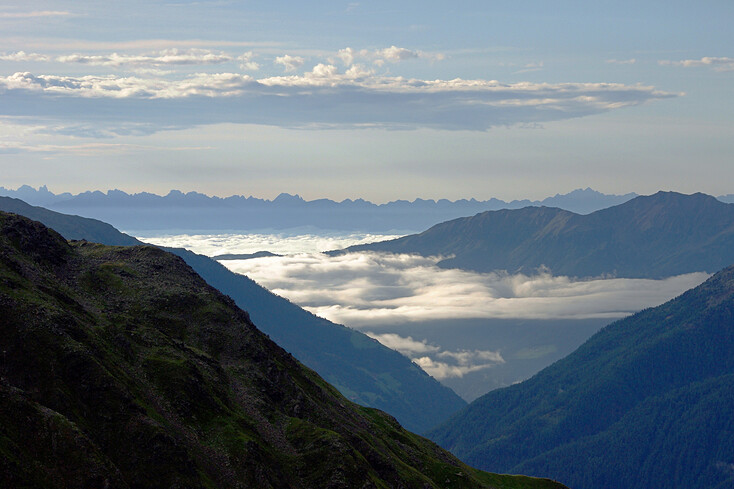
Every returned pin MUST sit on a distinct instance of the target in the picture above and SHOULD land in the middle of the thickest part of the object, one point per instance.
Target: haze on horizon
(375, 100)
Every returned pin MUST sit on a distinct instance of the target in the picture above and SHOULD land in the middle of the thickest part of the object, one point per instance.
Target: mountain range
(122, 368)
(364, 370)
(646, 402)
(198, 212)
(653, 236)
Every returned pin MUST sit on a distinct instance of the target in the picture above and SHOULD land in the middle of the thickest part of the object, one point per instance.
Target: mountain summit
(652, 236)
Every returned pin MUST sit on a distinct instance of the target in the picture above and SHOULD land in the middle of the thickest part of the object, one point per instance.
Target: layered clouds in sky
(324, 96)
(517, 99)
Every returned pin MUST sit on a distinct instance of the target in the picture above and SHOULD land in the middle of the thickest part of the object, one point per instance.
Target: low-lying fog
(472, 331)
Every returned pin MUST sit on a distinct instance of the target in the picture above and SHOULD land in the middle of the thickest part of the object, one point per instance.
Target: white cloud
(436, 361)
(34, 14)
(367, 290)
(322, 97)
(246, 62)
(23, 56)
(165, 57)
(405, 345)
(290, 63)
(718, 64)
(622, 61)
(444, 370)
(393, 54)
(297, 241)
(202, 84)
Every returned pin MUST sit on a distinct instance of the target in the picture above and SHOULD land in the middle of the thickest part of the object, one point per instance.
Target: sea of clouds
(378, 292)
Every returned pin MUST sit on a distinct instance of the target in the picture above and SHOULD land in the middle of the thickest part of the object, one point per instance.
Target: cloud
(246, 62)
(437, 362)
(34, 14)
(321, 98)
(298, 241)
(405, 345)
(380, 293)
(621, 61)
(530, 67)
(165, 57)
(23, 56)
(367, 290)
(88, 149)
(443, 370)
(290, 63)
(717, 64)
(393, 54)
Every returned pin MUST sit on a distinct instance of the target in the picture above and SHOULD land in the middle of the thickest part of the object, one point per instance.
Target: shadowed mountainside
(122, 368)
(646, 402)
(655, 236)
(361, 368)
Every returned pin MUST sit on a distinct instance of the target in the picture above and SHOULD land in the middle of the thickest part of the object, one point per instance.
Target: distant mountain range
(646, 402)
(122, 368)
(195, 211)
(654, 236)
(361, 368)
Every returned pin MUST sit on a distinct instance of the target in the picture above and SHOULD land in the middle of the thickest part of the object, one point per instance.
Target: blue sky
(379, 100)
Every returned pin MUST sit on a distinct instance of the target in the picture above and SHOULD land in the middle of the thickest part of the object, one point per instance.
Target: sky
(376, 100)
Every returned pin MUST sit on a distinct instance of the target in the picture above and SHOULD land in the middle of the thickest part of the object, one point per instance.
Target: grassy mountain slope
(654, 236)
(122, 368)
(361, 368)
(74, 227)
(646, 402)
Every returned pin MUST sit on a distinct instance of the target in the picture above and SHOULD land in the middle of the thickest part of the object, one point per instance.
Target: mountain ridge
(130, 371)
(654, 236)
(197, 211)
(365, 371)
(653, 390)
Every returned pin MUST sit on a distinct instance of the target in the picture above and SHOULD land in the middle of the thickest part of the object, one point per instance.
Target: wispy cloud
(530, 67)
(88, 149)
(165, 57)
(717, 64)
(322, 97)
(34, 14)
(437, 362)
(630, 61)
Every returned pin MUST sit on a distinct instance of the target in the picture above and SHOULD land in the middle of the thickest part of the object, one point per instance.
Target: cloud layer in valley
(291, 242)
(377, 292)
(439, 363)
(368, 290)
